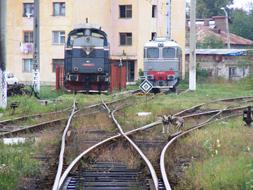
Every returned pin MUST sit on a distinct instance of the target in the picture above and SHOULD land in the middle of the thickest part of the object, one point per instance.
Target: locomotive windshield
(153, 53)
(169, 52)
(86, 38)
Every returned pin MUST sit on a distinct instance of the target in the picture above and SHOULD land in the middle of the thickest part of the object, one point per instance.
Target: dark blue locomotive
(86, 65)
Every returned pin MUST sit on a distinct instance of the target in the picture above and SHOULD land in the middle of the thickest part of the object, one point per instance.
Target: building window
(28, 10)
(56, 62)
(58, 37)
(154, 11)
(153, 35)
(232, 72)
(28, 37)
(27, 65)
(125, 39)
(125, 11)
(59, 9)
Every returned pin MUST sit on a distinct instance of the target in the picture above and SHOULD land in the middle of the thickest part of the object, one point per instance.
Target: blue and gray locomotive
(162, 64)
(86, 64)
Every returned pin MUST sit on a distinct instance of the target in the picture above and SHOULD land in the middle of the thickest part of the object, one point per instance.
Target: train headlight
(170, 77)
(75, 69)
(100, 69)
(150, 77)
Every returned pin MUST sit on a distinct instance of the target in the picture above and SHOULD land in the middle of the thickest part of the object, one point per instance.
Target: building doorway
(130, 66)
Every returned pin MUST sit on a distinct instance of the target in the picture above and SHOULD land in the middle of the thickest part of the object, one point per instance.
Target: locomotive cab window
(152, 53)
(87, 38)
(169, 52)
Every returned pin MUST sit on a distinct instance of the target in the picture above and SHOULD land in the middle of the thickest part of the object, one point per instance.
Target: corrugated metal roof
(227, 52)
(205, 31)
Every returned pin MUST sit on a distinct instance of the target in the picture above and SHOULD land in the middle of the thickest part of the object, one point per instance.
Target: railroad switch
(247, 116)
(13, 106)
(168, 120)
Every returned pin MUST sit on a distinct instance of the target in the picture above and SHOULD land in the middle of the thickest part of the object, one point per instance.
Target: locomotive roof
(164, 41)
(88, 26)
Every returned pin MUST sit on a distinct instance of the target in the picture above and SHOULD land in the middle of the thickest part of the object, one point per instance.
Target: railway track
(21, 125)
(64, 171)
(214, 116)
(30, 122)
(191, 110)
(76, 114)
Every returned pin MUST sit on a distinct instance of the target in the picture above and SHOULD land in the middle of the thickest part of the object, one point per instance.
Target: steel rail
(148, 163)
(213, 112)
(162, 157)
(40, 125)
(210, 120)
(210, 102)
(4, 122)
(56, 185)
(63, 141)
(80, 156)
(31, 128)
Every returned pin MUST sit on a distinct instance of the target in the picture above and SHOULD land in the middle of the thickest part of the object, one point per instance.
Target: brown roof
(204, 31)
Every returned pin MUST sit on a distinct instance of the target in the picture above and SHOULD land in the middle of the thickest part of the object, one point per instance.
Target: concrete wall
(219, 66)
(104, 13)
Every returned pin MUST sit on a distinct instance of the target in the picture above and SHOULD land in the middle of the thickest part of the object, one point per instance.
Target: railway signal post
(146, 87)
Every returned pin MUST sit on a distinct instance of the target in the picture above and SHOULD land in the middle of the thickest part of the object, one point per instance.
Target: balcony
(26, 48)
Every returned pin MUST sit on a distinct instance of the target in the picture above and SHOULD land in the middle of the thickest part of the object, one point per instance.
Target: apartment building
(128, 23)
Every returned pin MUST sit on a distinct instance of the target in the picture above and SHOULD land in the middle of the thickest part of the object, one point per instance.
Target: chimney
(206, 22)
(220, 22)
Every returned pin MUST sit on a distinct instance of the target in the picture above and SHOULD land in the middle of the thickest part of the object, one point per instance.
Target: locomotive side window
(169, 52)
(153, 53)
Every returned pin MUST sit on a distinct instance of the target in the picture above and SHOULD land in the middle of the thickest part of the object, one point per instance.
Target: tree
(209, 8)
(242, 24)
(210, 42)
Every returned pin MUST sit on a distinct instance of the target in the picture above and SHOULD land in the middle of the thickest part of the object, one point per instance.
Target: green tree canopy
(211, 42)
(209, 8)
(242, 24)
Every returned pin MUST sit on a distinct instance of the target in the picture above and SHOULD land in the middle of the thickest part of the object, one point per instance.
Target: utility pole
(36, 51)
(168, 15)
(3, 83)
(227, 27)
(192, 66)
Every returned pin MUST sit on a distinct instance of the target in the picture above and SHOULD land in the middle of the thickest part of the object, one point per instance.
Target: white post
(3, 88)
(227, 27)
(192, 65)
(3, 84)
(36, 58)
(168, 15)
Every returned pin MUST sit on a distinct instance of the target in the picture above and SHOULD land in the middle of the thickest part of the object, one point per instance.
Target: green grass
(221, 157)
(16, 162)
(202, 145)
(48, 92)
(224, 165)
(171, 103)
(57, 101)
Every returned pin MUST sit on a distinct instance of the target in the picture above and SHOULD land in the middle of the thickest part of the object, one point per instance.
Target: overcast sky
(242, 3)
(238, 3)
